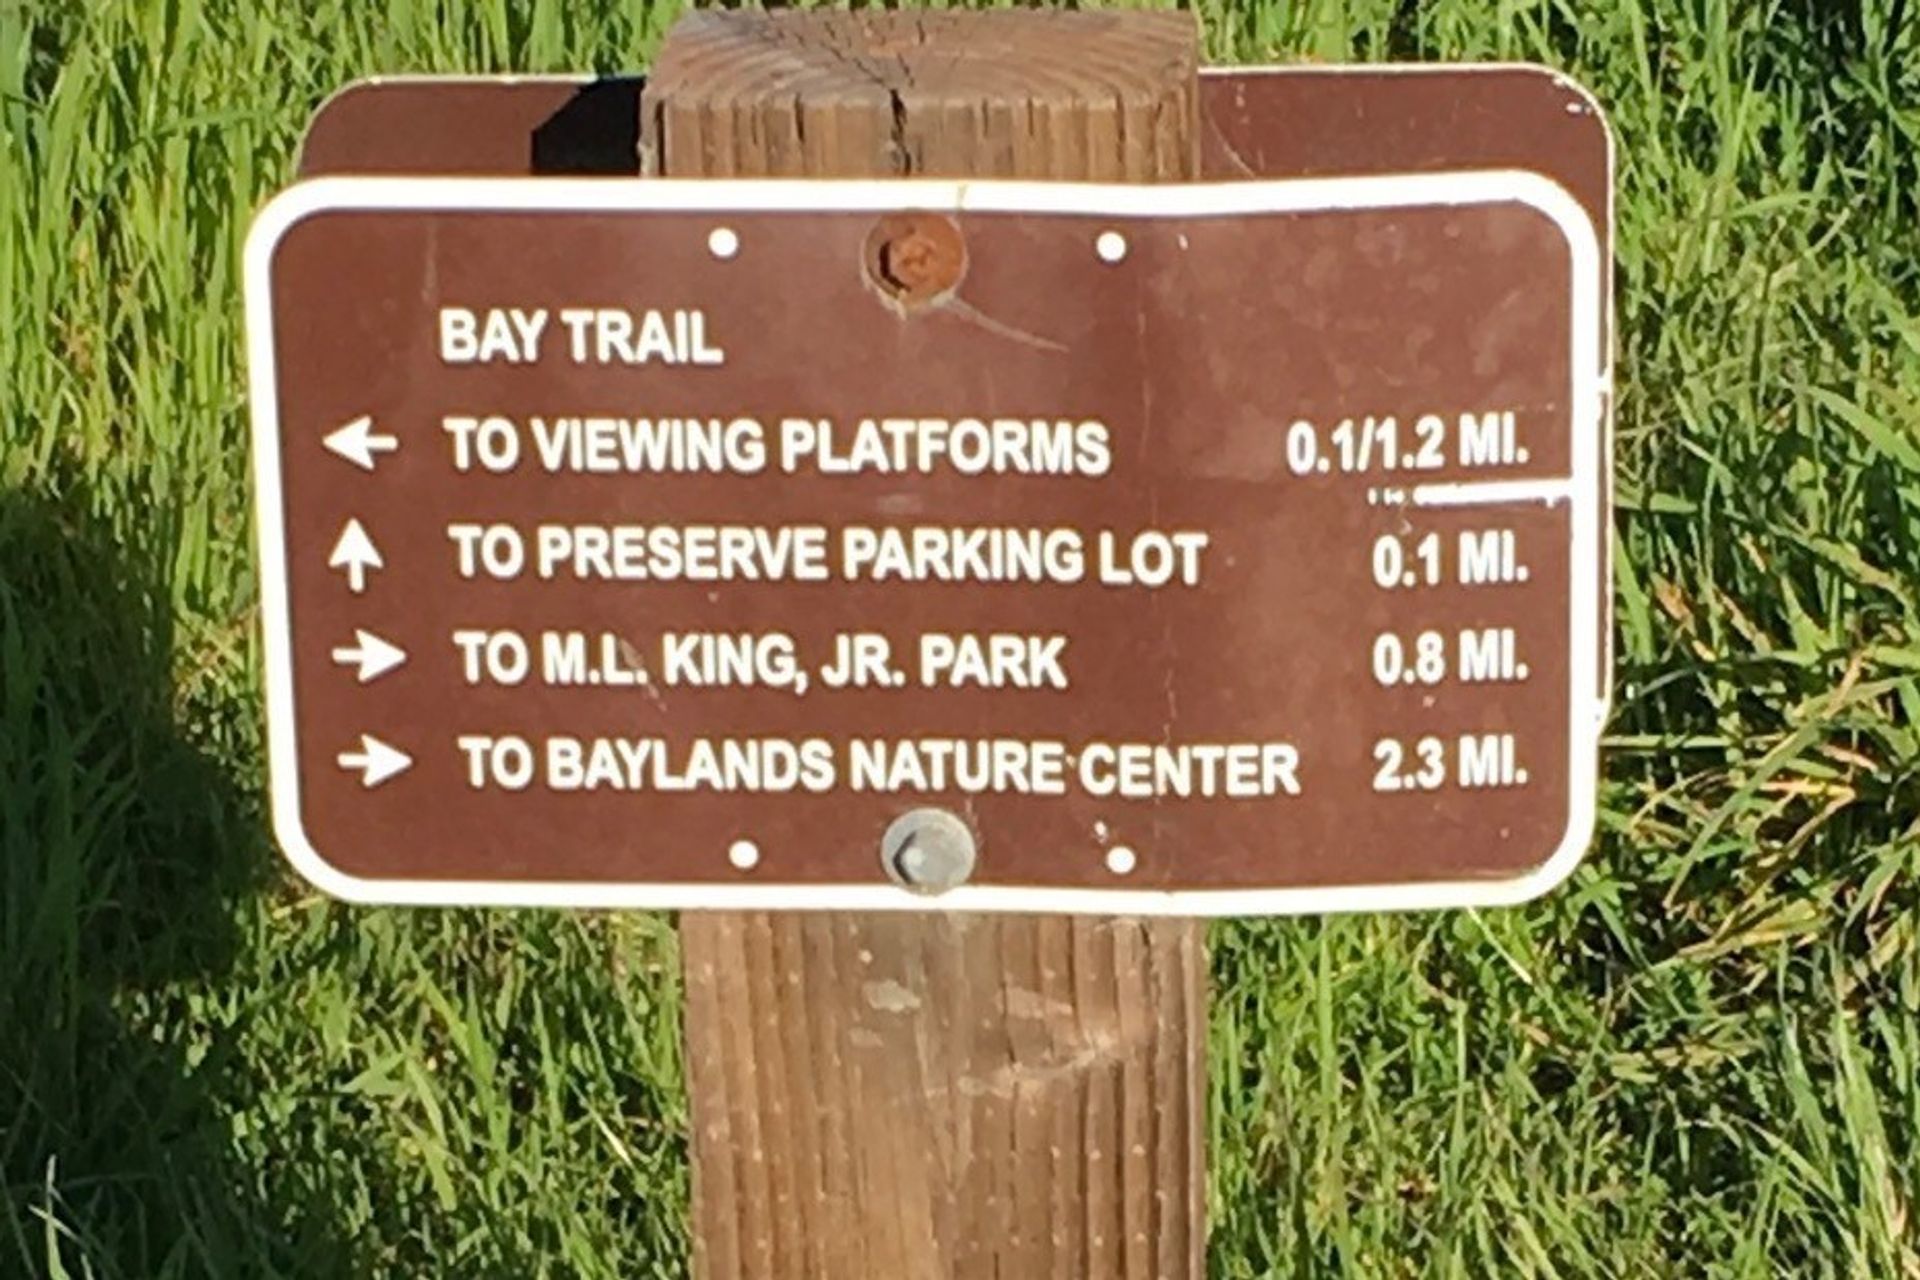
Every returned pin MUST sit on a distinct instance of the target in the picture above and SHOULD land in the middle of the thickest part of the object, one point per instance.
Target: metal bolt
(928, 851)
(915, 258)
(911, 263)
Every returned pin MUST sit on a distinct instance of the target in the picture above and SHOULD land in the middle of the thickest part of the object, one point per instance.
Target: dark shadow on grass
(127, 855)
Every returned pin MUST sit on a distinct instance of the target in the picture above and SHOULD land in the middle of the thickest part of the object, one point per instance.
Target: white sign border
(717, 196)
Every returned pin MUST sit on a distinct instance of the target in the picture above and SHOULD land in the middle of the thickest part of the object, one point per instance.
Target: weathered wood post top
(1091, 96)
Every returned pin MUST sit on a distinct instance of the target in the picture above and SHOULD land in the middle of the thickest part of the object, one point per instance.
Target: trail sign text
(1207, 549)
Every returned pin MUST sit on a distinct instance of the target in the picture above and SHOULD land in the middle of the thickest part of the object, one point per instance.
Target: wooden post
(914, 1097)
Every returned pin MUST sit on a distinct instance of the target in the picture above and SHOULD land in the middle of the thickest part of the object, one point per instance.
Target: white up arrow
(374, 656)
(356, 554)
(375, 761)
(357, 442)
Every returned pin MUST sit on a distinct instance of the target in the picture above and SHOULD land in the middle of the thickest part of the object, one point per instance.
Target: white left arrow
(357, 442)
(355, 553)
(375, 761)
(371, 654)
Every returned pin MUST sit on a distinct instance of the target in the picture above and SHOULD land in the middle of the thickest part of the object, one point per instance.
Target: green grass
(1702, 1058)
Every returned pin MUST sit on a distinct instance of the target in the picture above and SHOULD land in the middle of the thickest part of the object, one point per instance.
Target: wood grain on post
(912, 1097)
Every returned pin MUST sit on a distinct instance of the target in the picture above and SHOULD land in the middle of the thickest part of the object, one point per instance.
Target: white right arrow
(356, 554)
(375, 761)
(357, 443)
(373, 655)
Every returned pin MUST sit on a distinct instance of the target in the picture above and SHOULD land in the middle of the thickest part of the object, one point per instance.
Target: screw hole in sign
(915, 260)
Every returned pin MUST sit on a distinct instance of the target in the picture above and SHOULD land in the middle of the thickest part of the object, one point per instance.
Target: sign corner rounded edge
(297, 847)
(1576, 842)
(288, 206)
(1554, 202)
(1569, 83)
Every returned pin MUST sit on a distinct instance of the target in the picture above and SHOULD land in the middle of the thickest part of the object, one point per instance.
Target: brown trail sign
(1164, 548)
(1123, 571)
